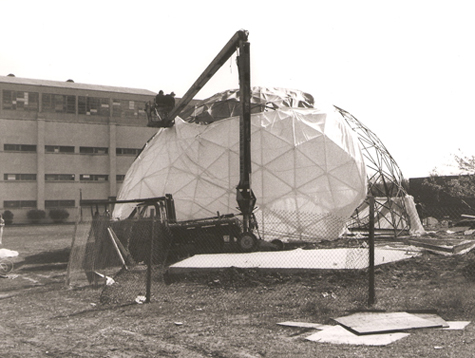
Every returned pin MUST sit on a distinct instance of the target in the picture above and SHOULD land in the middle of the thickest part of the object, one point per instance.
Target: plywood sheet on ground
(457, 325)
(342, 258)
(340, 335)
(436, 319)
(303, 325)
(380, 322)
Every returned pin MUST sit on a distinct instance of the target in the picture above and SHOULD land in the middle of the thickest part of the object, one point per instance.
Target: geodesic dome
(394, 208)
(308, 172)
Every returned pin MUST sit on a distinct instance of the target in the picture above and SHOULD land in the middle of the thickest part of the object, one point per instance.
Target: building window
(59, 149)
(22, 177)
(93, 177)
(58, 103)
(120, 177)
(59, 177)
(82, 105)
(141, 109)
(18, 204)
(127, 108)
(51, 204)
(116, 110)
(93, 150)
(19, 148)
(93, 106)
(20, 100)
(127, 151)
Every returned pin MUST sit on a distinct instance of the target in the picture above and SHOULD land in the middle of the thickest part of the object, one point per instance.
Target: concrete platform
(299, 259)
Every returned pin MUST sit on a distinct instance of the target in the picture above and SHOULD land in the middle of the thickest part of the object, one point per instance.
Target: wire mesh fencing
(288, 263)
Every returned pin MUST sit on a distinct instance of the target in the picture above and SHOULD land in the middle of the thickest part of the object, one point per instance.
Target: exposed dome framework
(385, 183)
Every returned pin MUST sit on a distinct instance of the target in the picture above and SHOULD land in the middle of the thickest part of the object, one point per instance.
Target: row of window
(58, 103)
(68, 149)
(27, 101)
(49, 204)
(61, 177)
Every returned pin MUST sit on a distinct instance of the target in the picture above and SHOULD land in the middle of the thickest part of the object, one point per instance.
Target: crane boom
(244, 196)
(210, 71)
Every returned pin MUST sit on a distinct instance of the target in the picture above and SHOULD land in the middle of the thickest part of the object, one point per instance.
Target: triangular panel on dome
(296, 154)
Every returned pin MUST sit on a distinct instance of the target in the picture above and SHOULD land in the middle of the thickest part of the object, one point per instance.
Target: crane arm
(244, 196)
(220, 59)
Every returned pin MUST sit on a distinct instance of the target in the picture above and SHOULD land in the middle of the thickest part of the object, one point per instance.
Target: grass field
(41, 317)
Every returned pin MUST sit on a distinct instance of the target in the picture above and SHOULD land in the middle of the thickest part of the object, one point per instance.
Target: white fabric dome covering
(308, 173)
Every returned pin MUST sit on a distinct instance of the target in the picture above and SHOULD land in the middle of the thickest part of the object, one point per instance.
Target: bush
(8, 217)
(35, 215)
(58, 215)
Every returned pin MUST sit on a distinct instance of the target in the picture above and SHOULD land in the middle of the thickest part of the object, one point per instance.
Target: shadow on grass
(52, 260)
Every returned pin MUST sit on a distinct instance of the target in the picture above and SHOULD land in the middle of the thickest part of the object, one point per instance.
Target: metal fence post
(150, 258)
(371, 296)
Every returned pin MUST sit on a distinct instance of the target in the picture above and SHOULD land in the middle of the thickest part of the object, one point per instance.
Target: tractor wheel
(247, 242)
(278, 244)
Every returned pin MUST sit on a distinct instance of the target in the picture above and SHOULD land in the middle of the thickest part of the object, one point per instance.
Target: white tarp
(308, 172)
(5, 253)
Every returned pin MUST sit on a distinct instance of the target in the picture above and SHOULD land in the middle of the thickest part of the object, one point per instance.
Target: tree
(58, 215)
(461, 186)
(8, 217)
(35, 215)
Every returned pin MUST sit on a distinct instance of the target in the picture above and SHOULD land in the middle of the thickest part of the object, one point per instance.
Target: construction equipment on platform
(174, 239)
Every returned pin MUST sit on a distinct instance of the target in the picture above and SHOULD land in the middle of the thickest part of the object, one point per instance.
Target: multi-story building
(61, 142)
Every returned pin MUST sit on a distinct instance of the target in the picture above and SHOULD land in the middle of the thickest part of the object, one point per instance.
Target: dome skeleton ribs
(385, 183)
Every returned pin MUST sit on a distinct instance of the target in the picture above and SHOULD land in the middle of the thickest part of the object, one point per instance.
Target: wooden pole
(148, 293)
(371, 296)
(71, 252)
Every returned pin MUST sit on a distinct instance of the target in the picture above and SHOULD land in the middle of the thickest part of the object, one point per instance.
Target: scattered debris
(329, 294)
(445, 246)
(109, 280)
(11, 277)
(31, 279)
(375, 328)
(5, 253)
(140, 299)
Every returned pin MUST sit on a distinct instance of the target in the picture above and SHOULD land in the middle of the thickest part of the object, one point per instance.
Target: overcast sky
(405, 69)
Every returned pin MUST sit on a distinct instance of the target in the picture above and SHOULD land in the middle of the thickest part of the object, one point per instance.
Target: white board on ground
(457, 325)
(303, 325)
(379, 322)
(340, 335)
(433, 318)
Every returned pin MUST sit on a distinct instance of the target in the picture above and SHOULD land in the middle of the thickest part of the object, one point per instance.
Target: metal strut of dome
(385, 183)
